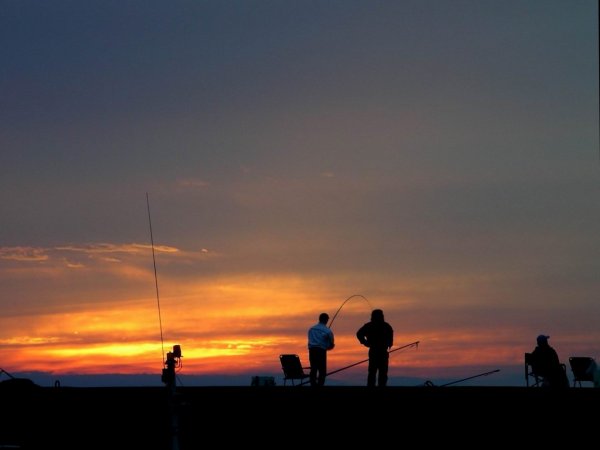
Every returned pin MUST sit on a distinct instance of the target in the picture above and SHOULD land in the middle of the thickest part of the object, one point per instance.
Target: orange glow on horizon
(236, 326)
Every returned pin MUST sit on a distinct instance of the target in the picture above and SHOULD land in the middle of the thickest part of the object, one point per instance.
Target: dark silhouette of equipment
(15, 382)
(292, 368)
(259, 381)
(172, 363)
(582, 368)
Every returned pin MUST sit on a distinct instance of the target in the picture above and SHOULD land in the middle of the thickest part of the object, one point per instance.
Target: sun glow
(242, 324)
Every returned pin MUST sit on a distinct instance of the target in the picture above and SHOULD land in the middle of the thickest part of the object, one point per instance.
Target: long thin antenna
(162, 342)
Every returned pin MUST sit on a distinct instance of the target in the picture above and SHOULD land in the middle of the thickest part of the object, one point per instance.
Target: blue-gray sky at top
(487, 109)
(397, 138)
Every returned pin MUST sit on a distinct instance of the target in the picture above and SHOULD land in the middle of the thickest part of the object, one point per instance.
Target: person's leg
(383, 369)
(372, 374)
(313, 360)
(322, 367)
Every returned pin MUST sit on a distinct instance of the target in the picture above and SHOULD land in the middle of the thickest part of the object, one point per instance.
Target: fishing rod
(344, 302)
(5, 372)
(412, 344)
(429, 383)
(474, 376)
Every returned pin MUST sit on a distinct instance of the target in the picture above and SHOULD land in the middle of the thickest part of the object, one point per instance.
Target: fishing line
(162, 342)
(344, 302)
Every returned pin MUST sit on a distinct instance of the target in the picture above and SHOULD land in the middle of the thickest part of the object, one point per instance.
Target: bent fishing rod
(344, 302)
(412, 344)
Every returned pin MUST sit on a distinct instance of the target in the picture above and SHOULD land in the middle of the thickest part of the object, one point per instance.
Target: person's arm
(360, 334)
(556, 360)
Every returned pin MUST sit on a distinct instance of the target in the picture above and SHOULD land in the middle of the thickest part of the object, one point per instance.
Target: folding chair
(292, 369)
(537, 380)
(555, 380)
(582, 368)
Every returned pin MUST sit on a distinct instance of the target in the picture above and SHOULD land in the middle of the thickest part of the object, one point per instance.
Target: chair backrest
(291, 366)
(530, 371)
(580, 366)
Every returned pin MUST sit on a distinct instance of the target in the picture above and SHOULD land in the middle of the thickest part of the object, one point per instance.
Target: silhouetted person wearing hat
(320, 341)
(546, 364)
(378, 336)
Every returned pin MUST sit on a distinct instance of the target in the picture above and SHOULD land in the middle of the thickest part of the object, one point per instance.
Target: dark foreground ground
(297, 417)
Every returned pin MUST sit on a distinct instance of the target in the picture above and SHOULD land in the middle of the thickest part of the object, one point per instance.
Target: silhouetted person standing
(320, 341)
(546, 364)
(378, 336)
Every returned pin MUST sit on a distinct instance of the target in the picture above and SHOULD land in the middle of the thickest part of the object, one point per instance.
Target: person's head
(542, 339)
(323, 318)
(377, 315)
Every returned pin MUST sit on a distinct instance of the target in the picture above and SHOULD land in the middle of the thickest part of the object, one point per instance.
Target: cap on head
(542, 339)
(323, 318)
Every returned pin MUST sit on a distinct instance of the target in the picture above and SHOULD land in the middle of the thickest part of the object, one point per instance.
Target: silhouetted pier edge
(339, 416)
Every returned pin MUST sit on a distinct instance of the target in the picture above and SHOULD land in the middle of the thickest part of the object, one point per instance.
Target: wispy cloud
(101, 248)
(192, 184)
(23, 253)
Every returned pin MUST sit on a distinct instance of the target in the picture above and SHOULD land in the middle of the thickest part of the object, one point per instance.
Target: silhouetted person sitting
(378, 336)
(545, 363)
(320, 340)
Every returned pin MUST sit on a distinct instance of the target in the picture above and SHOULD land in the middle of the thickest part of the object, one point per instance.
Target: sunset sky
(438, 158)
